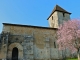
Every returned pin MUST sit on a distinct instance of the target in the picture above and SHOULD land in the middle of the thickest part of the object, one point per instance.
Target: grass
(72, 59)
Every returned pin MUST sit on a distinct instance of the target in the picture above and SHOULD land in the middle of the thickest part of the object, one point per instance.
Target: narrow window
(52, 17)
(54, 45)
(63, 14)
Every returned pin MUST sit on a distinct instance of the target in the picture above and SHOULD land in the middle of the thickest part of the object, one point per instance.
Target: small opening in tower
(63, 14)
(54, 45)
(52, 17)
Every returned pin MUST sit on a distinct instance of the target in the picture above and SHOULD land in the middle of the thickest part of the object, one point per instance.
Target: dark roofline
(29, 26)
(60, 9)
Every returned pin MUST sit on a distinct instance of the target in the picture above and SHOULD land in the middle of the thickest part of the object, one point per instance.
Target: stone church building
(26, 42)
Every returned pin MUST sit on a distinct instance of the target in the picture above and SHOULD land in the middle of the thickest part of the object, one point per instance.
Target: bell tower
(58, 16)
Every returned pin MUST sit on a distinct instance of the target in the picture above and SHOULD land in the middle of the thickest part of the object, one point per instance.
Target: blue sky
(34, 12)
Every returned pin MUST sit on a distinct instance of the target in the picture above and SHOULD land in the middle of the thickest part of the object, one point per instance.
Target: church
(27, 42)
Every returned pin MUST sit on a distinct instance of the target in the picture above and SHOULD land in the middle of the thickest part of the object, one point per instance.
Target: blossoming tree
(69, 36)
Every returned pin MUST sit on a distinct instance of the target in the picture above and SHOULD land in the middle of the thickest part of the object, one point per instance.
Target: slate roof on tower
(58, 8)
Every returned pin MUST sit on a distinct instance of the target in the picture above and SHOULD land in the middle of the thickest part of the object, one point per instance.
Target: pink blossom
(68, 35)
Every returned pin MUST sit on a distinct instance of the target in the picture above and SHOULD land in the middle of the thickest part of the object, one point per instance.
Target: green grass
(72, 59)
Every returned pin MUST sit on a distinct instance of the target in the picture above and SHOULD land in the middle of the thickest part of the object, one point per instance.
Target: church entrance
(15, 54)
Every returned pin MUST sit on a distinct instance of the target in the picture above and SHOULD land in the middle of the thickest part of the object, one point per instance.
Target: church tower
(58, 16)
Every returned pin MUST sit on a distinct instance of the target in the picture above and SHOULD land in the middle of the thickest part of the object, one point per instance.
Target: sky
(34, 12)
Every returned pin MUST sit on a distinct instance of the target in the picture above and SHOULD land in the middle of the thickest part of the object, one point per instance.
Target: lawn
(72, 59)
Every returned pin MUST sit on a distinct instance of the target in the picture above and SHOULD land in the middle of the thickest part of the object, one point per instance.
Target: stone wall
(33, 43)
(62, 18)
(54, 22)
(58, 19)
(3, 45)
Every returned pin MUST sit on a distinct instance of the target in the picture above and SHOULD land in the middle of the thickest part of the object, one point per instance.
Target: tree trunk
(78, 54)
